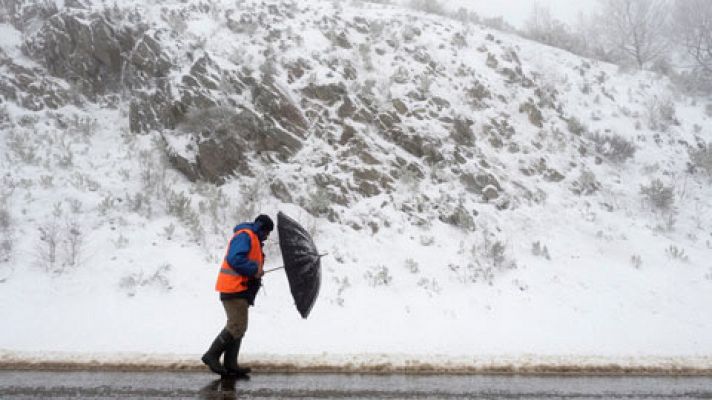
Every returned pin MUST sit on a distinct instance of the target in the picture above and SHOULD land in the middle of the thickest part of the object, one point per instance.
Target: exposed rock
(347, 108)
(334, 188)
(153, 110)
(186, 167)
(440, 103)
(22, 12)
(535, 116)
(400, 107)
(80, 48)
(276, 104)
(367, 158)
(462, 132)
(350, 72)
(401, 76)
(346, 135)
(296, 70)
(148, 57)
(280, 191)
(367, 174)
(477, 183)
(216, 161)
(340, 40)
(330, 94)
(490, 193)
(31, 88)
(368, 189)
(552, 175)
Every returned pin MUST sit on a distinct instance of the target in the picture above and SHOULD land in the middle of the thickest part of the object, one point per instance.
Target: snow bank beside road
(369, 363)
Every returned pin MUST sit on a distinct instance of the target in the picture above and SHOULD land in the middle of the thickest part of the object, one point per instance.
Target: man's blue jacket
(239, 249)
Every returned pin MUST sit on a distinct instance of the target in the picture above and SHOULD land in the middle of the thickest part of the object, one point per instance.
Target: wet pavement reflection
(16, 385)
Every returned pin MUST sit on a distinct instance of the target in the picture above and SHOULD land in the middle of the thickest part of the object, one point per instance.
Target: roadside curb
(371, 364)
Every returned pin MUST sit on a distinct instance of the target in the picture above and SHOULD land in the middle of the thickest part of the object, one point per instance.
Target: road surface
(194, 385)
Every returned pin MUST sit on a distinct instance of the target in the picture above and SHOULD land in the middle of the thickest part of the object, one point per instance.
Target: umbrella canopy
(302, 263)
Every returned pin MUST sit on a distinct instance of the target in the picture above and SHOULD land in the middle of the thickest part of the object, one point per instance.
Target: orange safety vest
(229, 281)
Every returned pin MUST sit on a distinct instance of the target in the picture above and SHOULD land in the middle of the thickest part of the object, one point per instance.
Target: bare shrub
(586, 184)
(364, 50)
(139, 203)
(410, 178)
(169, 231)
(60, 243)
(701, 158)
(427, 240)
(4, 115)
(540, 251)
(73, 242)
(47, 247)
(460, 218)
(477, 94)
(412, 265)
(175, 21)
(6, 229)
(490, 259)
(428, 6)
(85, 126)
(317, 202)
(158, 279)
(121, 242)
(614, 147)
(65, 156)
(576, 127)
(216, 206)
(544, 28)
(431, 286)
(106, 205)
(677, 253)
(177, 204)
(342, 284)
(379, 276)
(660, 113)
(22, 147)
(152, 173)
(636, 261)
(659, 196)
(251, 197)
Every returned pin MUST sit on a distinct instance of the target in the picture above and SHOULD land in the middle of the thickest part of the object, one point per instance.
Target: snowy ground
(143, 291)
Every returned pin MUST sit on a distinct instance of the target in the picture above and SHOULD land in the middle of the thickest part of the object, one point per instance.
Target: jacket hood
(246, 225)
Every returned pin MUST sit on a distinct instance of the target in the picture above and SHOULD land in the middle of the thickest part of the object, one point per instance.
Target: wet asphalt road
(193, 385)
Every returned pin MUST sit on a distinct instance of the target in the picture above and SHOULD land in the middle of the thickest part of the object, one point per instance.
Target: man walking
(239, 280)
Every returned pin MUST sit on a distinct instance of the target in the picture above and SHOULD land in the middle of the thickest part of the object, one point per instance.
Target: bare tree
(638, 29)
(693, 25)
(544, 28)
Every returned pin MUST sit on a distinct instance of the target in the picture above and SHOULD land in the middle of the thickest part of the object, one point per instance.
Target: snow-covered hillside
(482, 198)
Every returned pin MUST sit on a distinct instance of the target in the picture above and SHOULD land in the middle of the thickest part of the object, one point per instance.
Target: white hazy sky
(516, 11)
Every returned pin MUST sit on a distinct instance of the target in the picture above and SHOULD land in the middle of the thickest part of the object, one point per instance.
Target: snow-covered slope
(481, 197)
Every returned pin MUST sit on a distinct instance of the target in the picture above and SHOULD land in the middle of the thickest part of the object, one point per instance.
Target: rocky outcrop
(79, 47)
(227, 134)
(31, 88)
(21, 13)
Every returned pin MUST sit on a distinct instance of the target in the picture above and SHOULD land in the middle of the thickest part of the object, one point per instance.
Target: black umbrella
(301, 261)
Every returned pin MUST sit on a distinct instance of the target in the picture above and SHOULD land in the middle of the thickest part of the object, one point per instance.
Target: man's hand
(260, 273)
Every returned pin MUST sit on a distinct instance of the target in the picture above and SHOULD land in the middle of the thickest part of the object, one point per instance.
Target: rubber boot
(212, 357)
(232, 351)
